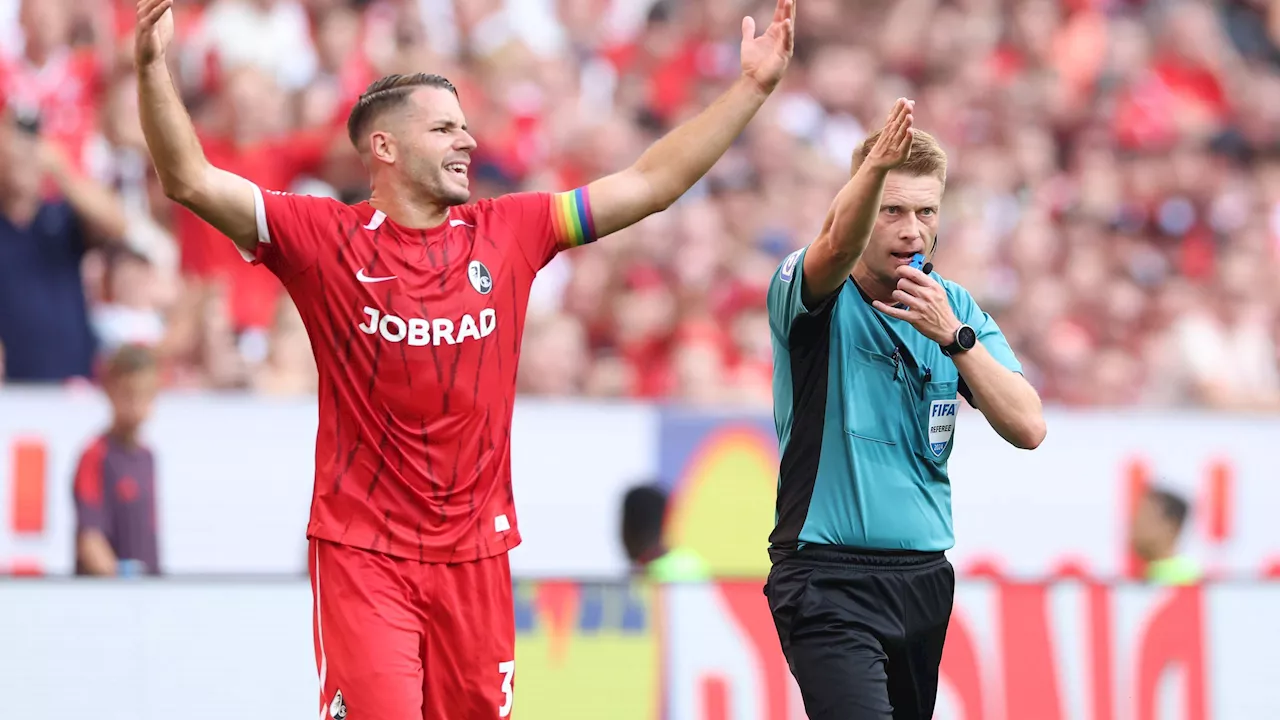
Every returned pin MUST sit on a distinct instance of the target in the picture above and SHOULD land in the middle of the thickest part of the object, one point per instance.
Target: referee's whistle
(917, 262)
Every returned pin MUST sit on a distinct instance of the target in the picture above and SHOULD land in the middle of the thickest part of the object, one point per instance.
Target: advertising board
(236, 473)
(156, 650)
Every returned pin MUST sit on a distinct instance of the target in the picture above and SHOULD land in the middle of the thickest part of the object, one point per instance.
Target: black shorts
(863, 630)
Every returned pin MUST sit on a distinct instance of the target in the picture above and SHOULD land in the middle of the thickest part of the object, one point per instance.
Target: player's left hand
(765, 58)
(928, 309)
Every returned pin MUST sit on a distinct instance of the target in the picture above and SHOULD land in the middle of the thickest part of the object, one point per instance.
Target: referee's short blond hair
(927, 156)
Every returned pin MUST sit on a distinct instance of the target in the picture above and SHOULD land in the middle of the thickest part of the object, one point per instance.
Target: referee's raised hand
(927, 307)
(893, 147)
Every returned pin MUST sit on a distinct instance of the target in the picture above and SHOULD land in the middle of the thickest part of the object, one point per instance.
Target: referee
(870, 354)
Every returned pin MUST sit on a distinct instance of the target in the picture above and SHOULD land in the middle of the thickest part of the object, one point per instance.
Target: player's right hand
(893, 147)
(154, 31)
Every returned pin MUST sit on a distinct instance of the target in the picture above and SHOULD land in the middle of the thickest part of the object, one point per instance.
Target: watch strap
(955, 347)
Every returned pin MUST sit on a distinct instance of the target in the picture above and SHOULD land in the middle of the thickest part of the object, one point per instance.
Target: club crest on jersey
(338, 708)
(789, 266)
(480, 278)
(942, 424)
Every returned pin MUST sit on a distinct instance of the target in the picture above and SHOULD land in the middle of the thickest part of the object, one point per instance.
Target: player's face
(436, 146)
(131, 397)
(906, 224)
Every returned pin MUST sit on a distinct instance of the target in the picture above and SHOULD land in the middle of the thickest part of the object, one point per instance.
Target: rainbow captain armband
(571, 218)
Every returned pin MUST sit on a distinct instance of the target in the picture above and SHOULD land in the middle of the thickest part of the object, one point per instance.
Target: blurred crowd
(1113, 196)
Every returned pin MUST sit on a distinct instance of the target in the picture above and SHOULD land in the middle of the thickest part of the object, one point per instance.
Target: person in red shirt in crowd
(243, 142)
(52, 81)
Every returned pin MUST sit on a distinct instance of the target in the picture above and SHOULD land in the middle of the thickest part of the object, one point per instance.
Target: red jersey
(273, 163)
(416, 336)
(64, 91)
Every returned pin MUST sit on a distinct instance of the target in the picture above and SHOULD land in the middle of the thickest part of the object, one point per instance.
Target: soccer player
(414, 303)
(869, 356)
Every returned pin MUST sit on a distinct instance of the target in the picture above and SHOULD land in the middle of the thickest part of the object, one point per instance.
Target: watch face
(966, 338)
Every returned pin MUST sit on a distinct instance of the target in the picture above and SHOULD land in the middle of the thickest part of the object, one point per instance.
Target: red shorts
(402, 640)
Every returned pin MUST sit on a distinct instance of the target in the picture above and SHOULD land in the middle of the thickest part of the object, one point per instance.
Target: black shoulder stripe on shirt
(822, 305)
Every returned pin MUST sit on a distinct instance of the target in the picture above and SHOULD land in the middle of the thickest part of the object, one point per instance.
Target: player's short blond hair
(927, 156)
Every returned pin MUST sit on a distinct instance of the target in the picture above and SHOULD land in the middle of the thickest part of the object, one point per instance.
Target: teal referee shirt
(865, 408)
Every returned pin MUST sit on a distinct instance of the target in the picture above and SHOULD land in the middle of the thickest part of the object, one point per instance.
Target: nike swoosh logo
(366, 279)
(456, 223)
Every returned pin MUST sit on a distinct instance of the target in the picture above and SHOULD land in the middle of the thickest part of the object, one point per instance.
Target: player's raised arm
(673, 164)
(847, 229)
(223, 200)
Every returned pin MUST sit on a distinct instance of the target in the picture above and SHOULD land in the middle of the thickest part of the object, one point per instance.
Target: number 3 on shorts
(507, 669)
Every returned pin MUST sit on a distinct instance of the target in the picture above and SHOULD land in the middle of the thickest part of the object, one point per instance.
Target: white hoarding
(235, 475)
(236, 478)
(158, 650)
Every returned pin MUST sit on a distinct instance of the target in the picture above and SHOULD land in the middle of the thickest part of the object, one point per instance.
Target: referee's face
(906, 224)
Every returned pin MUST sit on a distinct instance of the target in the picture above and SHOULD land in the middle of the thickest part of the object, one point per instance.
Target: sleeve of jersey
(784, 298)
(88, 489)
(290, 228)
(546, 223)
(988, 332)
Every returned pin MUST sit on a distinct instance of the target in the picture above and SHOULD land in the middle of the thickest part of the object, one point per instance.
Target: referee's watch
(965, 339)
